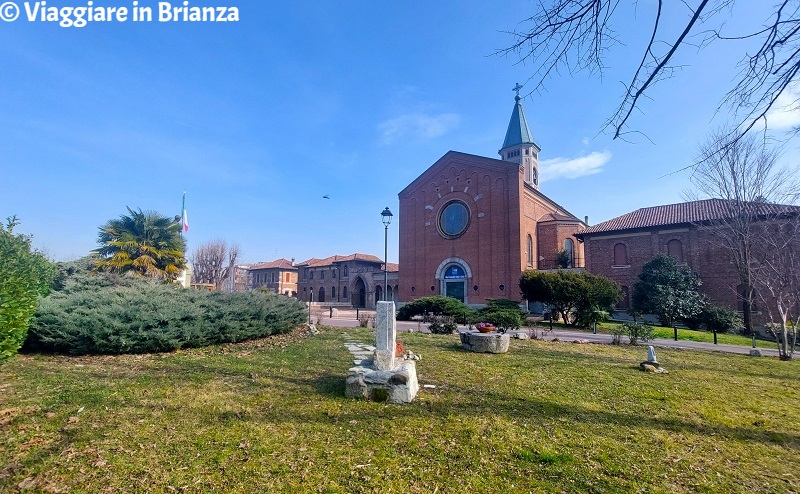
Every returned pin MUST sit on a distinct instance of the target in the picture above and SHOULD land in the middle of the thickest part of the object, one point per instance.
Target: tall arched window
(344, 292)
(675, 249)
(333, 294)
(620, 255)
(529, 251)
(344, 270)
(321, 294)
(569, 249)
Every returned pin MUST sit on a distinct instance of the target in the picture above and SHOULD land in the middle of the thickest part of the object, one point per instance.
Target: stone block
(485, 342)
(399, 385)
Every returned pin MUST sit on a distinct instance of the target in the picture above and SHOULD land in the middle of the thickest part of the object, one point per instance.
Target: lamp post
(386, 218)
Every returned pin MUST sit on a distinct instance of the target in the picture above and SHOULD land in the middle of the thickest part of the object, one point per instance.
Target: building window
(311, 275)
(620, 255)
(569, 249)
(453, 219)
(333, 294)
(288, 277)
(534, 176)
(344, 292)
(345, 270)
(333, 273)
(675, 249)
(529, 251)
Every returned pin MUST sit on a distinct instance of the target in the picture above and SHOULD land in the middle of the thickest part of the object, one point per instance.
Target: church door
(455, 289)
(359, 294)
(455, 282)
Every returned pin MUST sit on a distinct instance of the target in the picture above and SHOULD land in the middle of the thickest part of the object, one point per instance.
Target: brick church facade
(471, 225)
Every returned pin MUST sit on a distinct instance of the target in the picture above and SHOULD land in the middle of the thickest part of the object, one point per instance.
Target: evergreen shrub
(25, 275)
(437, 305)
(713, 318)
(105, 314)
(502, 313)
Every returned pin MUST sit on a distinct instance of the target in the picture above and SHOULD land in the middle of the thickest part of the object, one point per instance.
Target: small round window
(453, 219)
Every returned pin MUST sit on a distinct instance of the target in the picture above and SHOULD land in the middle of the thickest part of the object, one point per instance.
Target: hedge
(96, 315)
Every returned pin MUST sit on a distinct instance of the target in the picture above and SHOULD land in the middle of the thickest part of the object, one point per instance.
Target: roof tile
(682, 213)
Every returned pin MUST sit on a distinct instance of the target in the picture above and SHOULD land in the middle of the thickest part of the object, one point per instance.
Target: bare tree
(744, 173)
(776, 278)
(575, 35)
(214, 262)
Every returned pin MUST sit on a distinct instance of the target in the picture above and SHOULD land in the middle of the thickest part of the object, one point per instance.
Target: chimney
(586, 220)
(293, 257)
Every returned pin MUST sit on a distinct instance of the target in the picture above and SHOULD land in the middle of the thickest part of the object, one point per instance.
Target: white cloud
(556, 168)
(785, 113)
(417, 125)
(585, 141)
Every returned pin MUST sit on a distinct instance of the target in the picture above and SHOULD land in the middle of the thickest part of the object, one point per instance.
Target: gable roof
(706, 210)
(463, 159)
(279, 263)
(328, 261)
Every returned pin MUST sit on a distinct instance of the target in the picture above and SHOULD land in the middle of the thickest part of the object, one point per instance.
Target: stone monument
(652, 364)
(387, 376)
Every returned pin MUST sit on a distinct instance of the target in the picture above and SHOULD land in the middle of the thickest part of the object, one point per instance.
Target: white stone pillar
(385, 336)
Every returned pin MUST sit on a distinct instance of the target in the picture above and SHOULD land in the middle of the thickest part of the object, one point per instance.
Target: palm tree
(144, 243)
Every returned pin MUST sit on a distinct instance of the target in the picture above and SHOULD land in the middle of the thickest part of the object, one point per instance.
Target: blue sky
(260, 118)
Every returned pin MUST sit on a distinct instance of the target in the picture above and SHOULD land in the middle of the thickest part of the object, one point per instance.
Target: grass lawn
(683, 334)
(270, 416)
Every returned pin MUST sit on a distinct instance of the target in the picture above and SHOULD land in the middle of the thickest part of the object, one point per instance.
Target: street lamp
(386, 218)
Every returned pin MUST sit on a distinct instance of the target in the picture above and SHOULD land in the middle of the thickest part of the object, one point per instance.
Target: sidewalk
(348, 320)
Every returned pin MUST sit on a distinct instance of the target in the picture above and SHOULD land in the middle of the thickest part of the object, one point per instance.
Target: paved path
(767, 349)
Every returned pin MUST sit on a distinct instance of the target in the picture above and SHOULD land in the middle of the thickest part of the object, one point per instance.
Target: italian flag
(184, 218)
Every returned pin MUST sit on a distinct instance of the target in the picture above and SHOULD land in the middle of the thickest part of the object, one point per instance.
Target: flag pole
(183, 209)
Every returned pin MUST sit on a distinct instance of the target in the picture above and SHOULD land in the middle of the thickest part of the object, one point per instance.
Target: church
(471, 225)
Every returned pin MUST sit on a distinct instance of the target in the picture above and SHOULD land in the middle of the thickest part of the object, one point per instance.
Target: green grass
(270, 416)
(683, 334)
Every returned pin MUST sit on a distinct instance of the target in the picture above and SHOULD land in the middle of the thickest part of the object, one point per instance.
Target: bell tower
(519, 147)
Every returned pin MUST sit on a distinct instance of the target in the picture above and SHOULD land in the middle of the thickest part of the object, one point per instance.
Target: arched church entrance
(359, 293)
(453, 275)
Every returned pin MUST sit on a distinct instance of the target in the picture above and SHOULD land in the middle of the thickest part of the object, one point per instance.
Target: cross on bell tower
(517, 88)
(519, 146)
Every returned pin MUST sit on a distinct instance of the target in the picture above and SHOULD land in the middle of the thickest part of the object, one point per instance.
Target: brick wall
(702, 253)
(503, 212)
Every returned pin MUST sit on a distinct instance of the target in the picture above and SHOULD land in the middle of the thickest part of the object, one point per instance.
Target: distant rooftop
(328, 261)
(279, 263)
(706, 210)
